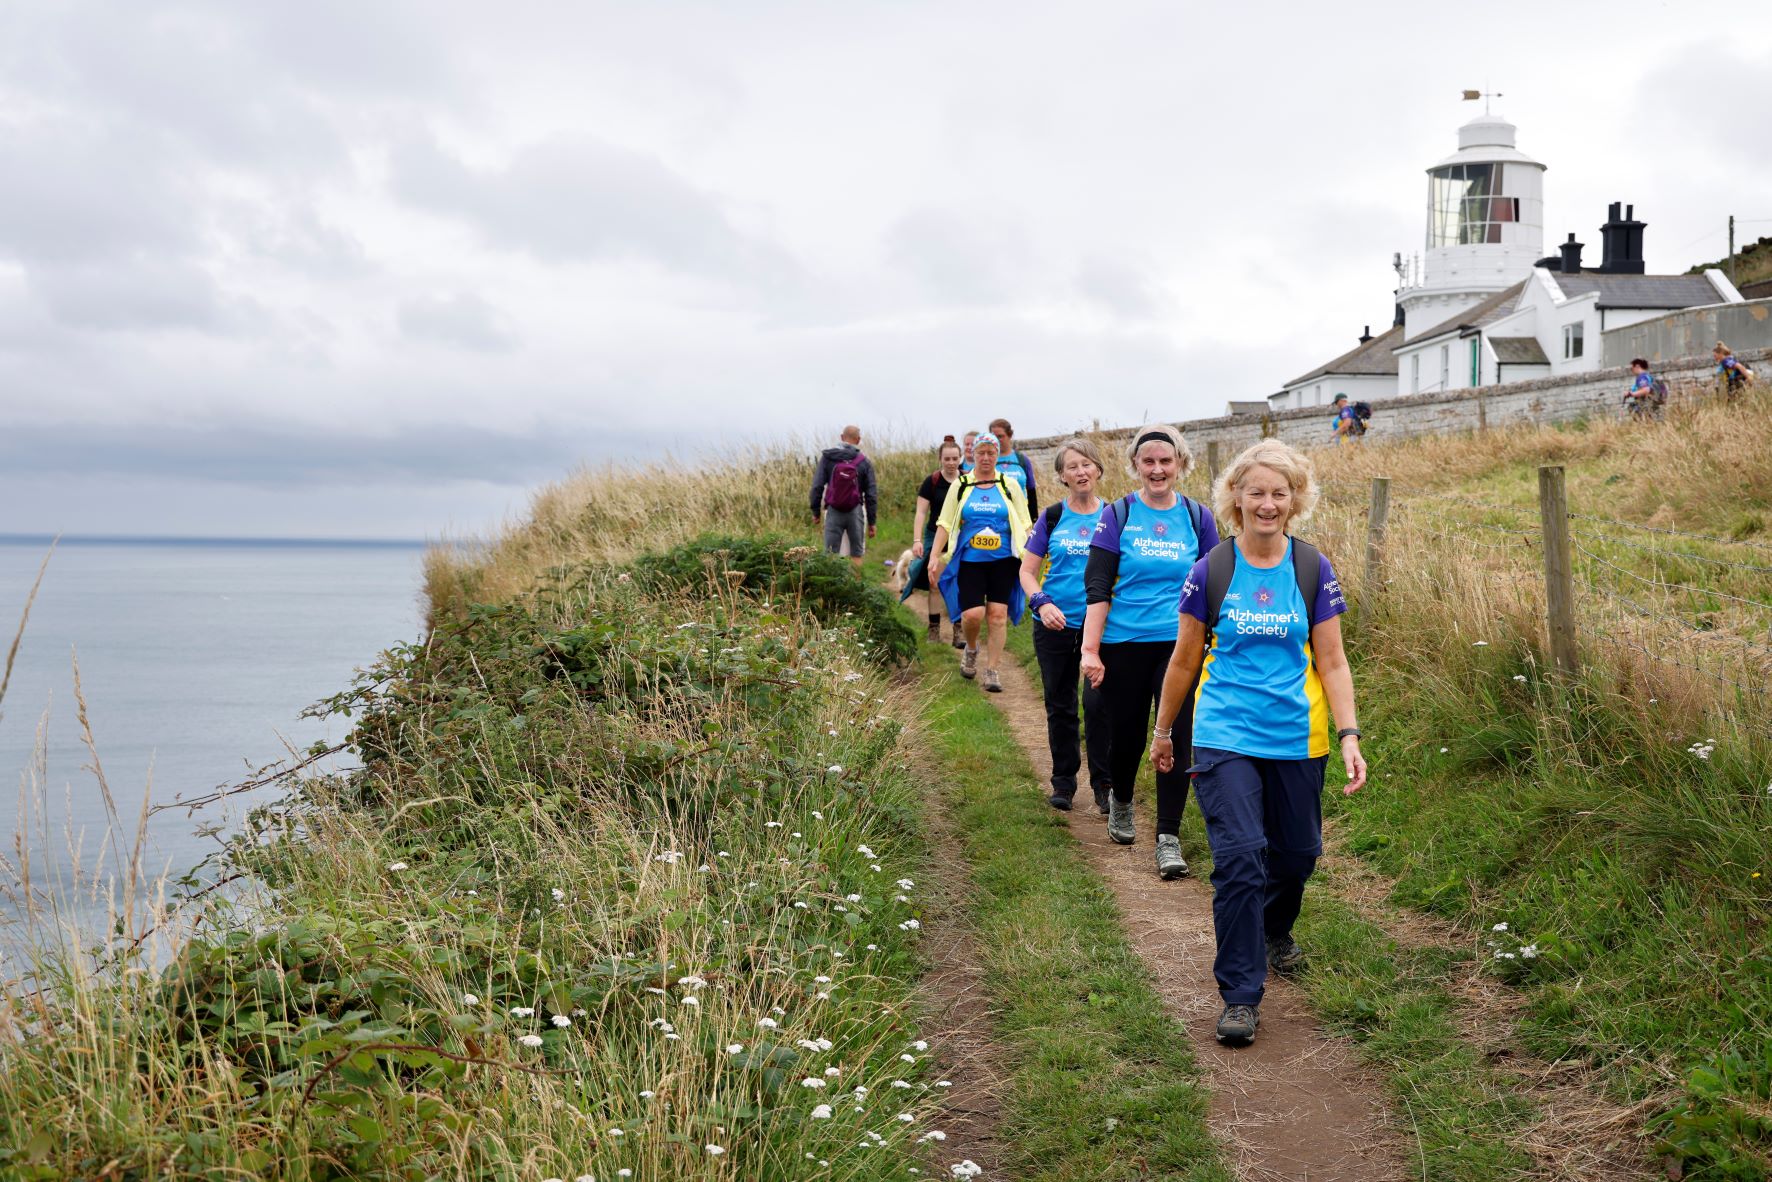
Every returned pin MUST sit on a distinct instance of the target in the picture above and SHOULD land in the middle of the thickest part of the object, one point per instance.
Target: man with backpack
(844, 495)
(1349, 423)
(1647, 394)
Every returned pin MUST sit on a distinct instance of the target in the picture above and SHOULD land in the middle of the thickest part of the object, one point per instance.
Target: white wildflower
(523, 1011)
(922, 1044)
(944, 1083)
(910, 925)
(812, 1081)
(905, 884)
(396, 866)
(692, 982)
(967, 1169)
(832, 1072)
(901, 1083)
(1500, 927)
(836, 769)
(468, 999)
(933, 1135)
(817, 815)
(561, 1021)
(1529, 952)
(530, 1040)
(906, 1117)
(822, 1112)
(558, 894)
(692, 1000)
(714, 1150)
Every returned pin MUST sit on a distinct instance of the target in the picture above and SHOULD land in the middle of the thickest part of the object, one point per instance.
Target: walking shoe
(1236, 1026)
(1120, 821)
(934, 632)
(1170, 863)
(992, 682)
(1060, 801)
(1101, 801)
(959, 636)
(1284, 956)
(969, 663)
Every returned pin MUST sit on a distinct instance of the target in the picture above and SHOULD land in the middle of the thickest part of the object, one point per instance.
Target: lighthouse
(1485, 225)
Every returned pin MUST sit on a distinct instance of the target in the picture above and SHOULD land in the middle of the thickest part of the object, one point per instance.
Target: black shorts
(987, 582)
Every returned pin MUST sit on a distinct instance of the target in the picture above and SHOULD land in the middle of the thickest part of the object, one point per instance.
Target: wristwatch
(1345, 731)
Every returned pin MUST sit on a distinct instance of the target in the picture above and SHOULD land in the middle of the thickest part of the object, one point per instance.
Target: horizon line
(204, 540)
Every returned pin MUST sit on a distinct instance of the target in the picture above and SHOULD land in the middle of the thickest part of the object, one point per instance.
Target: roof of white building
(1639, 291)
(1502, 303)
(1371, 358)
(1519, 351)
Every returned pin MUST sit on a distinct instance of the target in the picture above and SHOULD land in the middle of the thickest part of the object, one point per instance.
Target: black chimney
(1623, 250)
(1571, 251)
(1397, 320)
(1367, 335)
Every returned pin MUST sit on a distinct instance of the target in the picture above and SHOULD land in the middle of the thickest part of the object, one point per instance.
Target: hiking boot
(992, 683)
(934, 632)
(1120, 821)
(1101, 801)
(1170, 863)
(1284, 956)
(959, 636)
(969, 664)
(1064, 789)
(1236, 1026)
(1060, 801)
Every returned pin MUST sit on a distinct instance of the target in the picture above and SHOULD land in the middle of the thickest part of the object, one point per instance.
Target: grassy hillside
(1753, 263)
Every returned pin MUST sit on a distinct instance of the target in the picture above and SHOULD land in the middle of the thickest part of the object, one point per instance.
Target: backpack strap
(1307, 568)
(1123, 510)
(1196, 515)
(1053, 513)
(1221, 564)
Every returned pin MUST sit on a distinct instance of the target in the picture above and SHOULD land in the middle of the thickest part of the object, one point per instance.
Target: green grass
(1104, 1083)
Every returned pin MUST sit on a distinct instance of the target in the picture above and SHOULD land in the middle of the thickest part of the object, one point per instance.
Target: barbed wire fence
(1653, 597)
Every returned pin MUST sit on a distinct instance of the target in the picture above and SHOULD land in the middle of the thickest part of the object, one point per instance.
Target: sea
(196, 659)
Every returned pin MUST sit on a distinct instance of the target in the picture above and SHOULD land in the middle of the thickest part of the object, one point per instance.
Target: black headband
(1154, 437)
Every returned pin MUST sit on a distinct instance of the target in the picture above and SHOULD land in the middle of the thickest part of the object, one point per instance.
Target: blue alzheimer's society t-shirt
(984, 517)
(1157, 548)
(1066, 550)
(1259, 693)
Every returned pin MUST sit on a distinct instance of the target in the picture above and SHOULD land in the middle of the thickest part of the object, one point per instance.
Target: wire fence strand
(1667, 553)
(1678, 533)
(1671, 587)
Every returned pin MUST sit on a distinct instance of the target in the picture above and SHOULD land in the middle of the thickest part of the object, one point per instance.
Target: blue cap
(985, 438)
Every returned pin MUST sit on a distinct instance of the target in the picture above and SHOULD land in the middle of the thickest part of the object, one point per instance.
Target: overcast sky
(379, 269)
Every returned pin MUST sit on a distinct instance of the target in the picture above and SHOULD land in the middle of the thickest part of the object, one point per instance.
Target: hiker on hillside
(1647, 393)
(1734, 376)
(1013, 464)
(1144, 545)
(1264, 607)
(1060, 543)
(966, 442)
(932, 494)
(1346, 426)
(844, 496)
(978, 541)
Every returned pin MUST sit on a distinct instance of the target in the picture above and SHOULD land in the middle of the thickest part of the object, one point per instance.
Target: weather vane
(1471, 96)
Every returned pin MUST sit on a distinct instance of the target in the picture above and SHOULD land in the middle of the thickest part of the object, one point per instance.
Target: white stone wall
(1544, 400)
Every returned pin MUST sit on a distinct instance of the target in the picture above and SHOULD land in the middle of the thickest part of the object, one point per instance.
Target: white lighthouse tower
(1485, 225)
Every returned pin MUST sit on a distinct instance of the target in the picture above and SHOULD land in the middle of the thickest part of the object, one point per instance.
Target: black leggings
(1133, 686)
(1059, 653)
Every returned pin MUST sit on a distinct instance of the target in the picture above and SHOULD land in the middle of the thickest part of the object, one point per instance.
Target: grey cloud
(132, 294)
(582, 198)
(72, 194)
(292, 456)
(962, 257)
(1120, 288)
(463, 319)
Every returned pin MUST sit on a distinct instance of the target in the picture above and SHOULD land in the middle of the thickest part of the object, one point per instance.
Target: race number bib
(986, 539)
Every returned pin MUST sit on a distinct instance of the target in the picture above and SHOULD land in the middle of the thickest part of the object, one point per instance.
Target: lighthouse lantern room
(1485, 225)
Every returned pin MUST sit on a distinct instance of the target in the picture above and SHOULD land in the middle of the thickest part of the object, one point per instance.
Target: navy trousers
(1264, 822)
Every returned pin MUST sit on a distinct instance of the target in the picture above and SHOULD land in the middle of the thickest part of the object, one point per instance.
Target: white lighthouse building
(1485, 225)
(1481, 305)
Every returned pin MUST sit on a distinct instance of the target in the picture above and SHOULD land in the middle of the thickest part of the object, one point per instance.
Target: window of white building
(1319, 393)
(1465, 205)
(1572, 334)
(1415, 373)
(1445, 366)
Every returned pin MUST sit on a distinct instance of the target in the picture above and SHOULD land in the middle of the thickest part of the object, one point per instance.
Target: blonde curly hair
(1276, 456)
(1184, 458)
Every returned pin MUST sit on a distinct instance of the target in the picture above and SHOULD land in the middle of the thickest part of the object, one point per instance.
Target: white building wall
(1322, 391)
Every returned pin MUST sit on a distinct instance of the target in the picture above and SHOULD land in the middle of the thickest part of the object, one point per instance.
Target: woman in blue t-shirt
(1144, 546)
(1060, 541)
(1273, 672)
(978, 540)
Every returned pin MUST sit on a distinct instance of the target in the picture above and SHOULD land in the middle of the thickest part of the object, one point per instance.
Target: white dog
(901, 570)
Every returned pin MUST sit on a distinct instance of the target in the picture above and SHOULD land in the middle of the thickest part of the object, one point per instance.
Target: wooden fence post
(1212, 453)
(1559, 578)
(1375, 525)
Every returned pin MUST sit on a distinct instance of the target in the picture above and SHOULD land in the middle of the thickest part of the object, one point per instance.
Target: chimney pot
(1366, 335)
(1571, 251)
